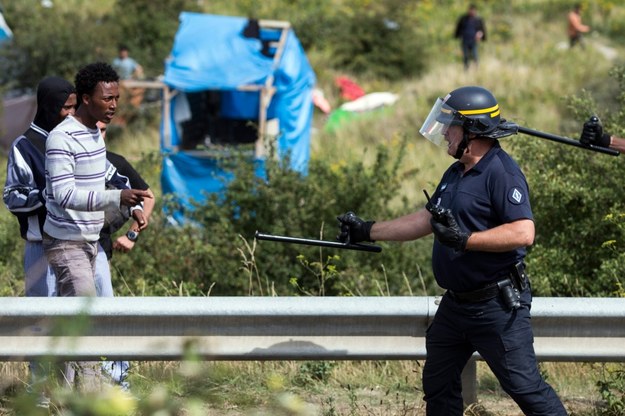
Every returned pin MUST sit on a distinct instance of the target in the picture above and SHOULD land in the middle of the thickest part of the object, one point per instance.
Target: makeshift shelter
(6, 33)
(232, 81)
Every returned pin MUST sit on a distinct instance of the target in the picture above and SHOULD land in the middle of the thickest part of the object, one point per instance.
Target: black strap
(37, 140)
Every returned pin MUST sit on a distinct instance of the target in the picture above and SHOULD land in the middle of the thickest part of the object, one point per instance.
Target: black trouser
(503, 338)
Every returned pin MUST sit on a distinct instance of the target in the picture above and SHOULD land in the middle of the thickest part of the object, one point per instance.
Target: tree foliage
(579, 204)
(216, 253)
(59, 40)
(47, 41)
(148, 29)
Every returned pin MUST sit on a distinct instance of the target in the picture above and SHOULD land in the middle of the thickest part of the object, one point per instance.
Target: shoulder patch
(516, 196)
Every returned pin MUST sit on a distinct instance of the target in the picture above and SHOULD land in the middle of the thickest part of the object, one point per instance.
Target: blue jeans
(103, 284)
(39, 278)
(503, 338)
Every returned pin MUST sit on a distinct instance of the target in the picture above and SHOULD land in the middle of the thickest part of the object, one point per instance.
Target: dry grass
(376, 388)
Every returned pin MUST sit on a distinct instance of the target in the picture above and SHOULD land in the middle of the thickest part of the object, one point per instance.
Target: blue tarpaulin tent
(5, 31)
(229, 80)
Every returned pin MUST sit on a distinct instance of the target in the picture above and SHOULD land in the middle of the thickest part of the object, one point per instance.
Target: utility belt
(509, 287)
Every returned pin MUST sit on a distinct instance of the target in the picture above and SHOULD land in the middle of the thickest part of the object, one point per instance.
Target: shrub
(578, 203)
(220, 256)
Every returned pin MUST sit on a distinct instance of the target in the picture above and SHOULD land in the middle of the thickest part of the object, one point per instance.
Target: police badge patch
(516, 196)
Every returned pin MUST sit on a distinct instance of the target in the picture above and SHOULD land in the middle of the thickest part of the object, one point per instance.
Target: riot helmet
(473, 108)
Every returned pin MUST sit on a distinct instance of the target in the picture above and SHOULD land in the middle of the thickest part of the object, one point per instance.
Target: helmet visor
(438, 121)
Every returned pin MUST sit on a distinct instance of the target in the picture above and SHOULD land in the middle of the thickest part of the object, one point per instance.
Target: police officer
(482, 221)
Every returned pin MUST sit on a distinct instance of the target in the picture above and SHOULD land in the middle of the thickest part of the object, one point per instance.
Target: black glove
(593, 134)
(353, 229)
(448, 232)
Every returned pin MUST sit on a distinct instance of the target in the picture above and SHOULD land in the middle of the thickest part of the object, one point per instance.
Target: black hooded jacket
(23, 191)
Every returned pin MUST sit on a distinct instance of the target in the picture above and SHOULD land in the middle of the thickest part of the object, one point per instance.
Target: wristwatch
(132, 235)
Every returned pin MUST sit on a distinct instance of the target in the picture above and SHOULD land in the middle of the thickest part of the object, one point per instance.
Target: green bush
(44, 43)
(578, 203)
(380, 43)
(148, 28)
(11, 262)
(217, 254)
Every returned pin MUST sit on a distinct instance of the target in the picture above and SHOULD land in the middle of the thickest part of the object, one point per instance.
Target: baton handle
(322, 243)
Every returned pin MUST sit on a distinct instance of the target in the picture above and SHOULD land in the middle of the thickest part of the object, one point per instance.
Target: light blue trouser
(118, 370)
(39, 277)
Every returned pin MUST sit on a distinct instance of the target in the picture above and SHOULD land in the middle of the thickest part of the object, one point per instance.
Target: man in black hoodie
(23, 191)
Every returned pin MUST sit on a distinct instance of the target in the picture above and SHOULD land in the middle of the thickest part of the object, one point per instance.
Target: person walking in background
(126, 67)
(75, 194)
(575, 26)
(470, 29)
(482, 221)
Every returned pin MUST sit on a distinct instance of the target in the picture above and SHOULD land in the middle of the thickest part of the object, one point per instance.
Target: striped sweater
(75, 176)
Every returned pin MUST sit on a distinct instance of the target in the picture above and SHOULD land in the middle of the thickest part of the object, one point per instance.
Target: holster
(520, 279)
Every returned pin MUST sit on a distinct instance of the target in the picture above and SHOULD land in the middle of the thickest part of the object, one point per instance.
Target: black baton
(321, 243)
(568, 141)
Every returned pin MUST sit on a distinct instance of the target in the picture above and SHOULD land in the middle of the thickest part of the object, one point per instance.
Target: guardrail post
(469, 382)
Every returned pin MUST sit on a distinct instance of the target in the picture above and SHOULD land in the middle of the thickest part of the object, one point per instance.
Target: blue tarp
(210, 53)
(5, 31)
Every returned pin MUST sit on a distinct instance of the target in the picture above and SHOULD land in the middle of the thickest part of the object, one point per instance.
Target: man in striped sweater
(75, 191)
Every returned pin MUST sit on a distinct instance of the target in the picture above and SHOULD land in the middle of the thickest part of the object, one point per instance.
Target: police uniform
(473, 315)
(486, 306)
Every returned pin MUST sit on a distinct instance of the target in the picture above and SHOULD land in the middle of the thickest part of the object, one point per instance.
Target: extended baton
(568, 141)
(321, 243)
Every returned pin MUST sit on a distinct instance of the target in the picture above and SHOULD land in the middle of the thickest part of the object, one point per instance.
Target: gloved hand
(353, 229)
(592, 133)
(448, 232)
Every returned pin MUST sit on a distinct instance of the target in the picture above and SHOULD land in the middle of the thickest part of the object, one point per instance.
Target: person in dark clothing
(24, 193)
(482, 221)
(113, 221)
(470, 29)
(25, 182)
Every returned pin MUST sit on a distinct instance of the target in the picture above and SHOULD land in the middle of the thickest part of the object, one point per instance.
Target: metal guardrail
(277, 328)
(282, 328)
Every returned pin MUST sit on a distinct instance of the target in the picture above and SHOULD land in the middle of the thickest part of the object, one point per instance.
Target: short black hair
(89, 75)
